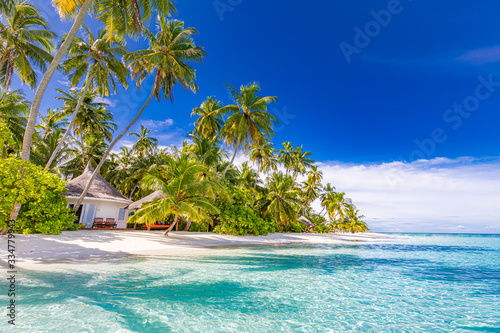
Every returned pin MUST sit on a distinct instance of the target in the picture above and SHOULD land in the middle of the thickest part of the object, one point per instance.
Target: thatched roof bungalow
(102, 199)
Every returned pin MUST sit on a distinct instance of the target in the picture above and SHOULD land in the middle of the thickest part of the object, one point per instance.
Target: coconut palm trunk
(106, 153)
(61, 142)
(188, 225)
(176, 219)
(37, 100)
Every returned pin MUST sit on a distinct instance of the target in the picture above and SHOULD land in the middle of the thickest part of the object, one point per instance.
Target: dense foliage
(239, 217)
(203, 187)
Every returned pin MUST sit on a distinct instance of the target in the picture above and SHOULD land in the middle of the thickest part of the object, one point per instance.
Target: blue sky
(396, 95)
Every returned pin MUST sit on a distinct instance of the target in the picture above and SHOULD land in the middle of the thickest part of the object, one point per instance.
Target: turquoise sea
(420, 283)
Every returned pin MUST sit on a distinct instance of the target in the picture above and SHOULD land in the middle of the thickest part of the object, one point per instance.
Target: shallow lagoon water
(432, 283)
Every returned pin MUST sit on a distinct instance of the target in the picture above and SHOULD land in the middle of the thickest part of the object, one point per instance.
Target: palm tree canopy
(187, 189)
(283, 199)
(169, 51)
(210, 122)
(144, 144)
(14, 109)
(25, 41)
(93, 117)
(96, 58)
(249, 121)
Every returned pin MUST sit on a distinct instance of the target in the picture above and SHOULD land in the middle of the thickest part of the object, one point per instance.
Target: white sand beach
(83, 246)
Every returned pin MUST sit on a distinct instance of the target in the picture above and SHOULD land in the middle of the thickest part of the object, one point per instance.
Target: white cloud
(108, 101)
(482, 56)
(447, 195)
(64, 83)
(157, 125)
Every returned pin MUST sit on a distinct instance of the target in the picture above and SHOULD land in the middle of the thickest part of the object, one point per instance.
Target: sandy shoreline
(86, 246)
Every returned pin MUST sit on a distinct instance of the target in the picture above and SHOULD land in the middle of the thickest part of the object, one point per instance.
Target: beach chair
(98, 222)
(110, 223)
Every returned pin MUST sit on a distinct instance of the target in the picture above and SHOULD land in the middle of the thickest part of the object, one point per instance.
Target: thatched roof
(138, 204)
(100, 188)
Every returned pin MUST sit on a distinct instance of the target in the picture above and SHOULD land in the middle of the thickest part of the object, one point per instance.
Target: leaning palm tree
(249, 121)
(166, 58)
(188, 192)
(283, 197)
(96, 59)
(25, 41)
(145, 144)
(209, 122)
(114, 13)
(6, 5)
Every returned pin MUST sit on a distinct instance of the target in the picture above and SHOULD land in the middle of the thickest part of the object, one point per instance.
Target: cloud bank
(438, 195)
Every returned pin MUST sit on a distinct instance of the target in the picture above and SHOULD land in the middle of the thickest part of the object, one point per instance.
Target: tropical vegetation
(203, 185)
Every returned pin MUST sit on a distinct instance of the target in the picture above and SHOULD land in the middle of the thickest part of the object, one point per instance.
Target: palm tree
(45, 146)
(283, 198)
(249, 121)
(169, 51)
(114, 13)
(262, 154)
(248, 178)
(335, 204)
(91, 149)
(93, 117)
(301, 162)
(6, 5)
(96, 59)
(352, 221)
(51, 122)
(210, 122)
(286, 156)
(312, 186)
(13, 111)
(207, 151)
(23, 43)
(188, 192)
(144, 144)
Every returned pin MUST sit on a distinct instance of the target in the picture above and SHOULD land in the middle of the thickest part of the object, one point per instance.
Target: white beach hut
(102, 200)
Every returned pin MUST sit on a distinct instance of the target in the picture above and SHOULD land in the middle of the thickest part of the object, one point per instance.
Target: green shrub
(239, 218)
(322, 229)
(40, 194)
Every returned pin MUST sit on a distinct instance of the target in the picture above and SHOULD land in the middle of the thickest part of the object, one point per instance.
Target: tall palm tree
(283, 198)
(93, 117)
(301, 161)
(114, 13)
(25, 40)
(96, 59)
(145, 144)
(249, 121)
(210, 122)
(311, 187)
(262, 153)
(248, 177)
(13, 111)
(91, 149)
(188, 192)
(286, 156)
(166, 58)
